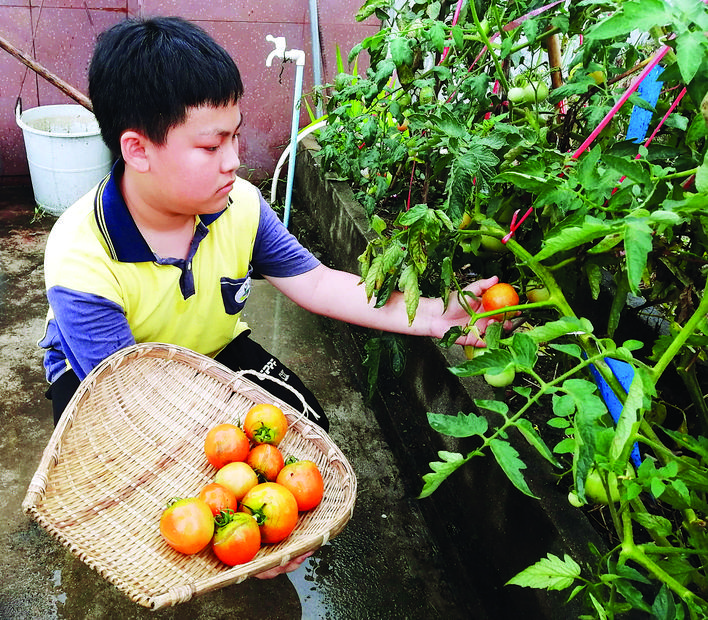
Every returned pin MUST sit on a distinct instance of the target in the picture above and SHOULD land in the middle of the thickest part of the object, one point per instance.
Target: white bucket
(65, 153)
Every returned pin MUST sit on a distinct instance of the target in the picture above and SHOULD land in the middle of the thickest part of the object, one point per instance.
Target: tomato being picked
(266, 460)
(187, 525)
(274, 508)
(501, 295)
(237, 538)
(304, 480)
(218, 498)
(226, 443)
(265, 423)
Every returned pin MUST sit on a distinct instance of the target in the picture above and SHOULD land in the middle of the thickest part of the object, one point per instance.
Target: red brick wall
(60, 34)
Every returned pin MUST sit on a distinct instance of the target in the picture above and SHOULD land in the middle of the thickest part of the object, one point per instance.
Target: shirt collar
(125, 243)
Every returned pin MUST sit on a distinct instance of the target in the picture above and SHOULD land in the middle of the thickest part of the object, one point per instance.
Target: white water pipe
(286, 153)
(298, 57)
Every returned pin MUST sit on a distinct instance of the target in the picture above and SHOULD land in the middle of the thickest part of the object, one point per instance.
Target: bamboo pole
(66, 88)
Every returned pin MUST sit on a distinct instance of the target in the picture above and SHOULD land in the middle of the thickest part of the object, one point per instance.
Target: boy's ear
(132, 148)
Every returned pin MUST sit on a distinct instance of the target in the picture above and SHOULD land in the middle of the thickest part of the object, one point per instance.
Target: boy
(164, 248)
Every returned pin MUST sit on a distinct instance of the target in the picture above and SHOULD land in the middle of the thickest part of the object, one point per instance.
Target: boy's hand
(287, 568)
(456, 313)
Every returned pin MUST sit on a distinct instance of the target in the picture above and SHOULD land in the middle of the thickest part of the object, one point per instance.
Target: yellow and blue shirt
(107, 289)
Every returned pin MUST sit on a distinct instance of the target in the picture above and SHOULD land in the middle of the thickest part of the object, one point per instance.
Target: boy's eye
(211, 149)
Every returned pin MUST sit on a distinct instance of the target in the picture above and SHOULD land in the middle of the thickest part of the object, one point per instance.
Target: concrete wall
(60, 35)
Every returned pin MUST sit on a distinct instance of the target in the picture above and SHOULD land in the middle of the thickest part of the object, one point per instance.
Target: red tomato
(224, 444)
(266, 460)
(238, 477)
(274, 508)
(218, 498)
(304, 480)
(499, 296)
(237, 538)
(265, 423)
(187, 525)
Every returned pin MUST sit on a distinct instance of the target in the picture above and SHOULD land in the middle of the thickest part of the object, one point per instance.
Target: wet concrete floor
(384, 564)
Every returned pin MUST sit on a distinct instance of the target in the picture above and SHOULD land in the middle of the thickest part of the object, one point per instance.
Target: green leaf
(633, 169)
(573, 350)
(525, 350)
(451, 461)
(461, 425)
(408, 283)
(562, 327)
(654, 524)
(664, 607)
(508, 459)
(628, 420)
(370, 7)
(690, 52)
(633, 16)
(550, 573)
(492, 405)
(637, 245)
(401, 51)
(497, 360)
(573, 236)
(531, 435)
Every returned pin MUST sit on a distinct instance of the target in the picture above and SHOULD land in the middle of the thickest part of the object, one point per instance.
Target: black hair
(146, 73)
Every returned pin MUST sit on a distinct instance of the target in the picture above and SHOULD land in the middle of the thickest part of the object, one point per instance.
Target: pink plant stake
(514, 226)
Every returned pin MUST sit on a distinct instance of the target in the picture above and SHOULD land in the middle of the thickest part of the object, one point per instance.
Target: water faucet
(296, 56)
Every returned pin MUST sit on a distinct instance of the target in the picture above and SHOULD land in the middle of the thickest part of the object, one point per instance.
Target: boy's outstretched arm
(338, 295)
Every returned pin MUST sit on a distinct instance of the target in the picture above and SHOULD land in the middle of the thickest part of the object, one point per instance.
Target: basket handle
(306, 412)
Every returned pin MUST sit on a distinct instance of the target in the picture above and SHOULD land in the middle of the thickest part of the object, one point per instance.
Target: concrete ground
(383, 565)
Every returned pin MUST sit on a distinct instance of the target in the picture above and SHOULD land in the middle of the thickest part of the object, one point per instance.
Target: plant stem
(487, 42)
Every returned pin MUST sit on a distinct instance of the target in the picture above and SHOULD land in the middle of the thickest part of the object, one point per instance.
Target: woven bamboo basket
(132, 438)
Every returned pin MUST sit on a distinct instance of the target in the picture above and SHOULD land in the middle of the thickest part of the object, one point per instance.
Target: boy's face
(193, 172)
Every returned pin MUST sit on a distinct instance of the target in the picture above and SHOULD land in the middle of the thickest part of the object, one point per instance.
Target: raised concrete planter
(481, 522)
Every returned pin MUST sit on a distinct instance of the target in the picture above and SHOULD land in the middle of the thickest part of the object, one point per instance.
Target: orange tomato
(265, 423)
(266, 460)
(218, 498)
(501, 295)
(304, 480)
(237, 538)
(224, 444)
(274, 508)
(187, 525)
(238, 477)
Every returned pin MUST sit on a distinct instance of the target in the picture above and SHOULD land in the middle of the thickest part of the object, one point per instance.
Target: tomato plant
(238, 477)
(266, 460)
(187, 525)
(265, 423)
(275, 509)
(224, 444)
(604, 213)
(501, 295)
(237, 538)
(304, 480)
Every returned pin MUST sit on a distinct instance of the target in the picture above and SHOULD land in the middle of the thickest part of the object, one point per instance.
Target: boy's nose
(231, 160)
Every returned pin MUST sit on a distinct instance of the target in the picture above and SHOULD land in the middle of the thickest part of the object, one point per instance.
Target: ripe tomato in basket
(304, 480)
(237, 538)
(238, 477)
(187, 525)
(265, 423)
(226, 443)
(266, 460)
(274, 508)
(218, 497)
